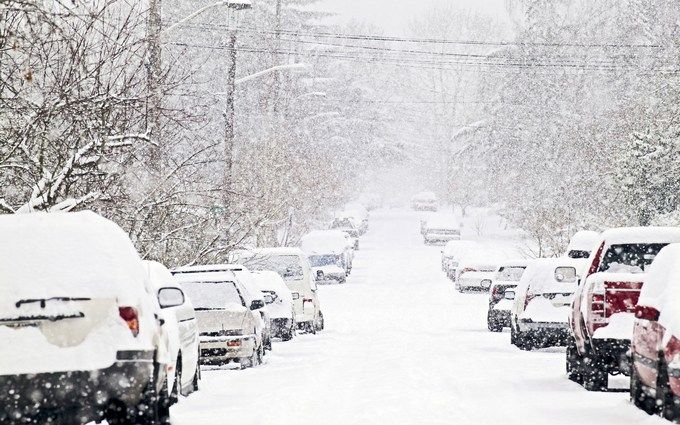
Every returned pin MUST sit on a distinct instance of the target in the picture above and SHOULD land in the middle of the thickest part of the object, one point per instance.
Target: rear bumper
(220, 349)
(76, 396)
(613, 354)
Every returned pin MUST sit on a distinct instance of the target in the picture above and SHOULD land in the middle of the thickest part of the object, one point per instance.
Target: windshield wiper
(43, 301)
(41, 318)
(207, 308)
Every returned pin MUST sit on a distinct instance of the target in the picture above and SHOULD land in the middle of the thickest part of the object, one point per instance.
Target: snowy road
(402, 347)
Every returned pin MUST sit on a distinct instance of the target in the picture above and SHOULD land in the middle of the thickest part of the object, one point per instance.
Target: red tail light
(129, 314)
(672, 351)
(647, 313)
(234, 343)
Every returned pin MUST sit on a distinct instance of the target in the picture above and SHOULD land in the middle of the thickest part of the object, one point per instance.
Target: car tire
(246, 362)
(595, 378)
(153, 409)
(639, 397)
(513, 335)
(667, 407)
(287, 334)
(493, 324)
(525, 341)
(319, 324)
(177, 385)
(573, 362)
(197, 377)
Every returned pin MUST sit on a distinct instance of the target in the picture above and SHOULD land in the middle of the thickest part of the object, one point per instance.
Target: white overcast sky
(394, 15)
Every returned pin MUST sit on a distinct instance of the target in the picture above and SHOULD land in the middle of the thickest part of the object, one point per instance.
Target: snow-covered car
(358, 214)
(479, 270)
(452, 253)
(79, 326)
(292, 265)
(347, 225)
(328, 255)
(477, 280)
(582, 244)
(279, 303)
(440, 230)
(228, 319)
(602, 315)
(507, 278)
(425, 201)
(180, 323)
(655, 346)
(540, 312)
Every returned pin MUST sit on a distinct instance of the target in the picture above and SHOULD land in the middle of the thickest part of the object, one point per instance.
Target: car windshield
(212, 295)
(342, 224)
(510, 274)
(325, 260)
(288, 267)
(629, 258)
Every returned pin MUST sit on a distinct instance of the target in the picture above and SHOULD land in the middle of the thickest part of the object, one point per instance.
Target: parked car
(477, 280)
(483, 268)
(279, 303)
(179, 318)
(542, 300)
(453, 252)
(81, 338)
(425, 201)
(582, 244)
(292, 265)
(440, 230)
(347, 225)
(602, 314)
(655, 346)
(228, 319)
(357, 213)
(507, 278)
(328, 255)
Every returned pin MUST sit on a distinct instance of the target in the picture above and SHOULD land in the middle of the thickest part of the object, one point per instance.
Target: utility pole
(154, 69)
(229, 115)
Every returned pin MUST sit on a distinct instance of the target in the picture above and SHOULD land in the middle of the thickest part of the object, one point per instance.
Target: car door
(188, 328)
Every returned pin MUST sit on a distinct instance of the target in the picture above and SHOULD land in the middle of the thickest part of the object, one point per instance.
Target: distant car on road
(540, 312)
(507, 278)
(347, 225)
(329, 255)
(602, 315)
(438, 230)
(453, 252)
(482, 268)
(477, 280)
(425, 201)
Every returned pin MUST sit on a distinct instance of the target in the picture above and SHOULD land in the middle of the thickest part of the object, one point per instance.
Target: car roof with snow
(159, 275)
(319, 242)
(584, 240)
(289, 250)
(541, 272)
(641, 235)
(81, 254)
(207, 268)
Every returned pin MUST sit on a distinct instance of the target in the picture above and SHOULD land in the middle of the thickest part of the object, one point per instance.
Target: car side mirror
(486, 283)
(509, 295)
(296, 296)
(170, 297)
(257, 304)
(268, 299)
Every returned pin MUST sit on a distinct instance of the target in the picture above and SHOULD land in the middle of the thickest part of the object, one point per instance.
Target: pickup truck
(602, 314)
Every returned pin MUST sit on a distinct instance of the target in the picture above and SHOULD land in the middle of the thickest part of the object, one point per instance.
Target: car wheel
(513, 335)
(525, 341)
(667, 406)
(319, 325)
(287, 334)
(153, 409)
(246, 362)
(177, 386)
(594, 376)
(493, 324)
(639, 397)
(197, 377)
(573, 362)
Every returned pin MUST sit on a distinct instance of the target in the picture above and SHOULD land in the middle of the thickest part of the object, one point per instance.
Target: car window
(510, 274)
(629, 258)
(289, 267)
(578, 254)
(213, 295)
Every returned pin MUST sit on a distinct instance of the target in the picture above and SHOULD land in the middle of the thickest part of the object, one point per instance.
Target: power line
(368, 37)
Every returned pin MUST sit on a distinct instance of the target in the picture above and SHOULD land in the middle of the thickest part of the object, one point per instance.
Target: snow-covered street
(402, 347)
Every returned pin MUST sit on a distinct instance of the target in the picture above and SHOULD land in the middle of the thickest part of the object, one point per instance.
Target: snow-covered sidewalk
(402, 347)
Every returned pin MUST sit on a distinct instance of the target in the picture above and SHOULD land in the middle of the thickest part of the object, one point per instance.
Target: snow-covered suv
(602, 314)
(507, 278)
(79, 324)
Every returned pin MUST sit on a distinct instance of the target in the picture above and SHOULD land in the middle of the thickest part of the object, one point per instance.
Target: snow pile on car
(67, 254)
(660, 289)
(585, 240)
(324, 242)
